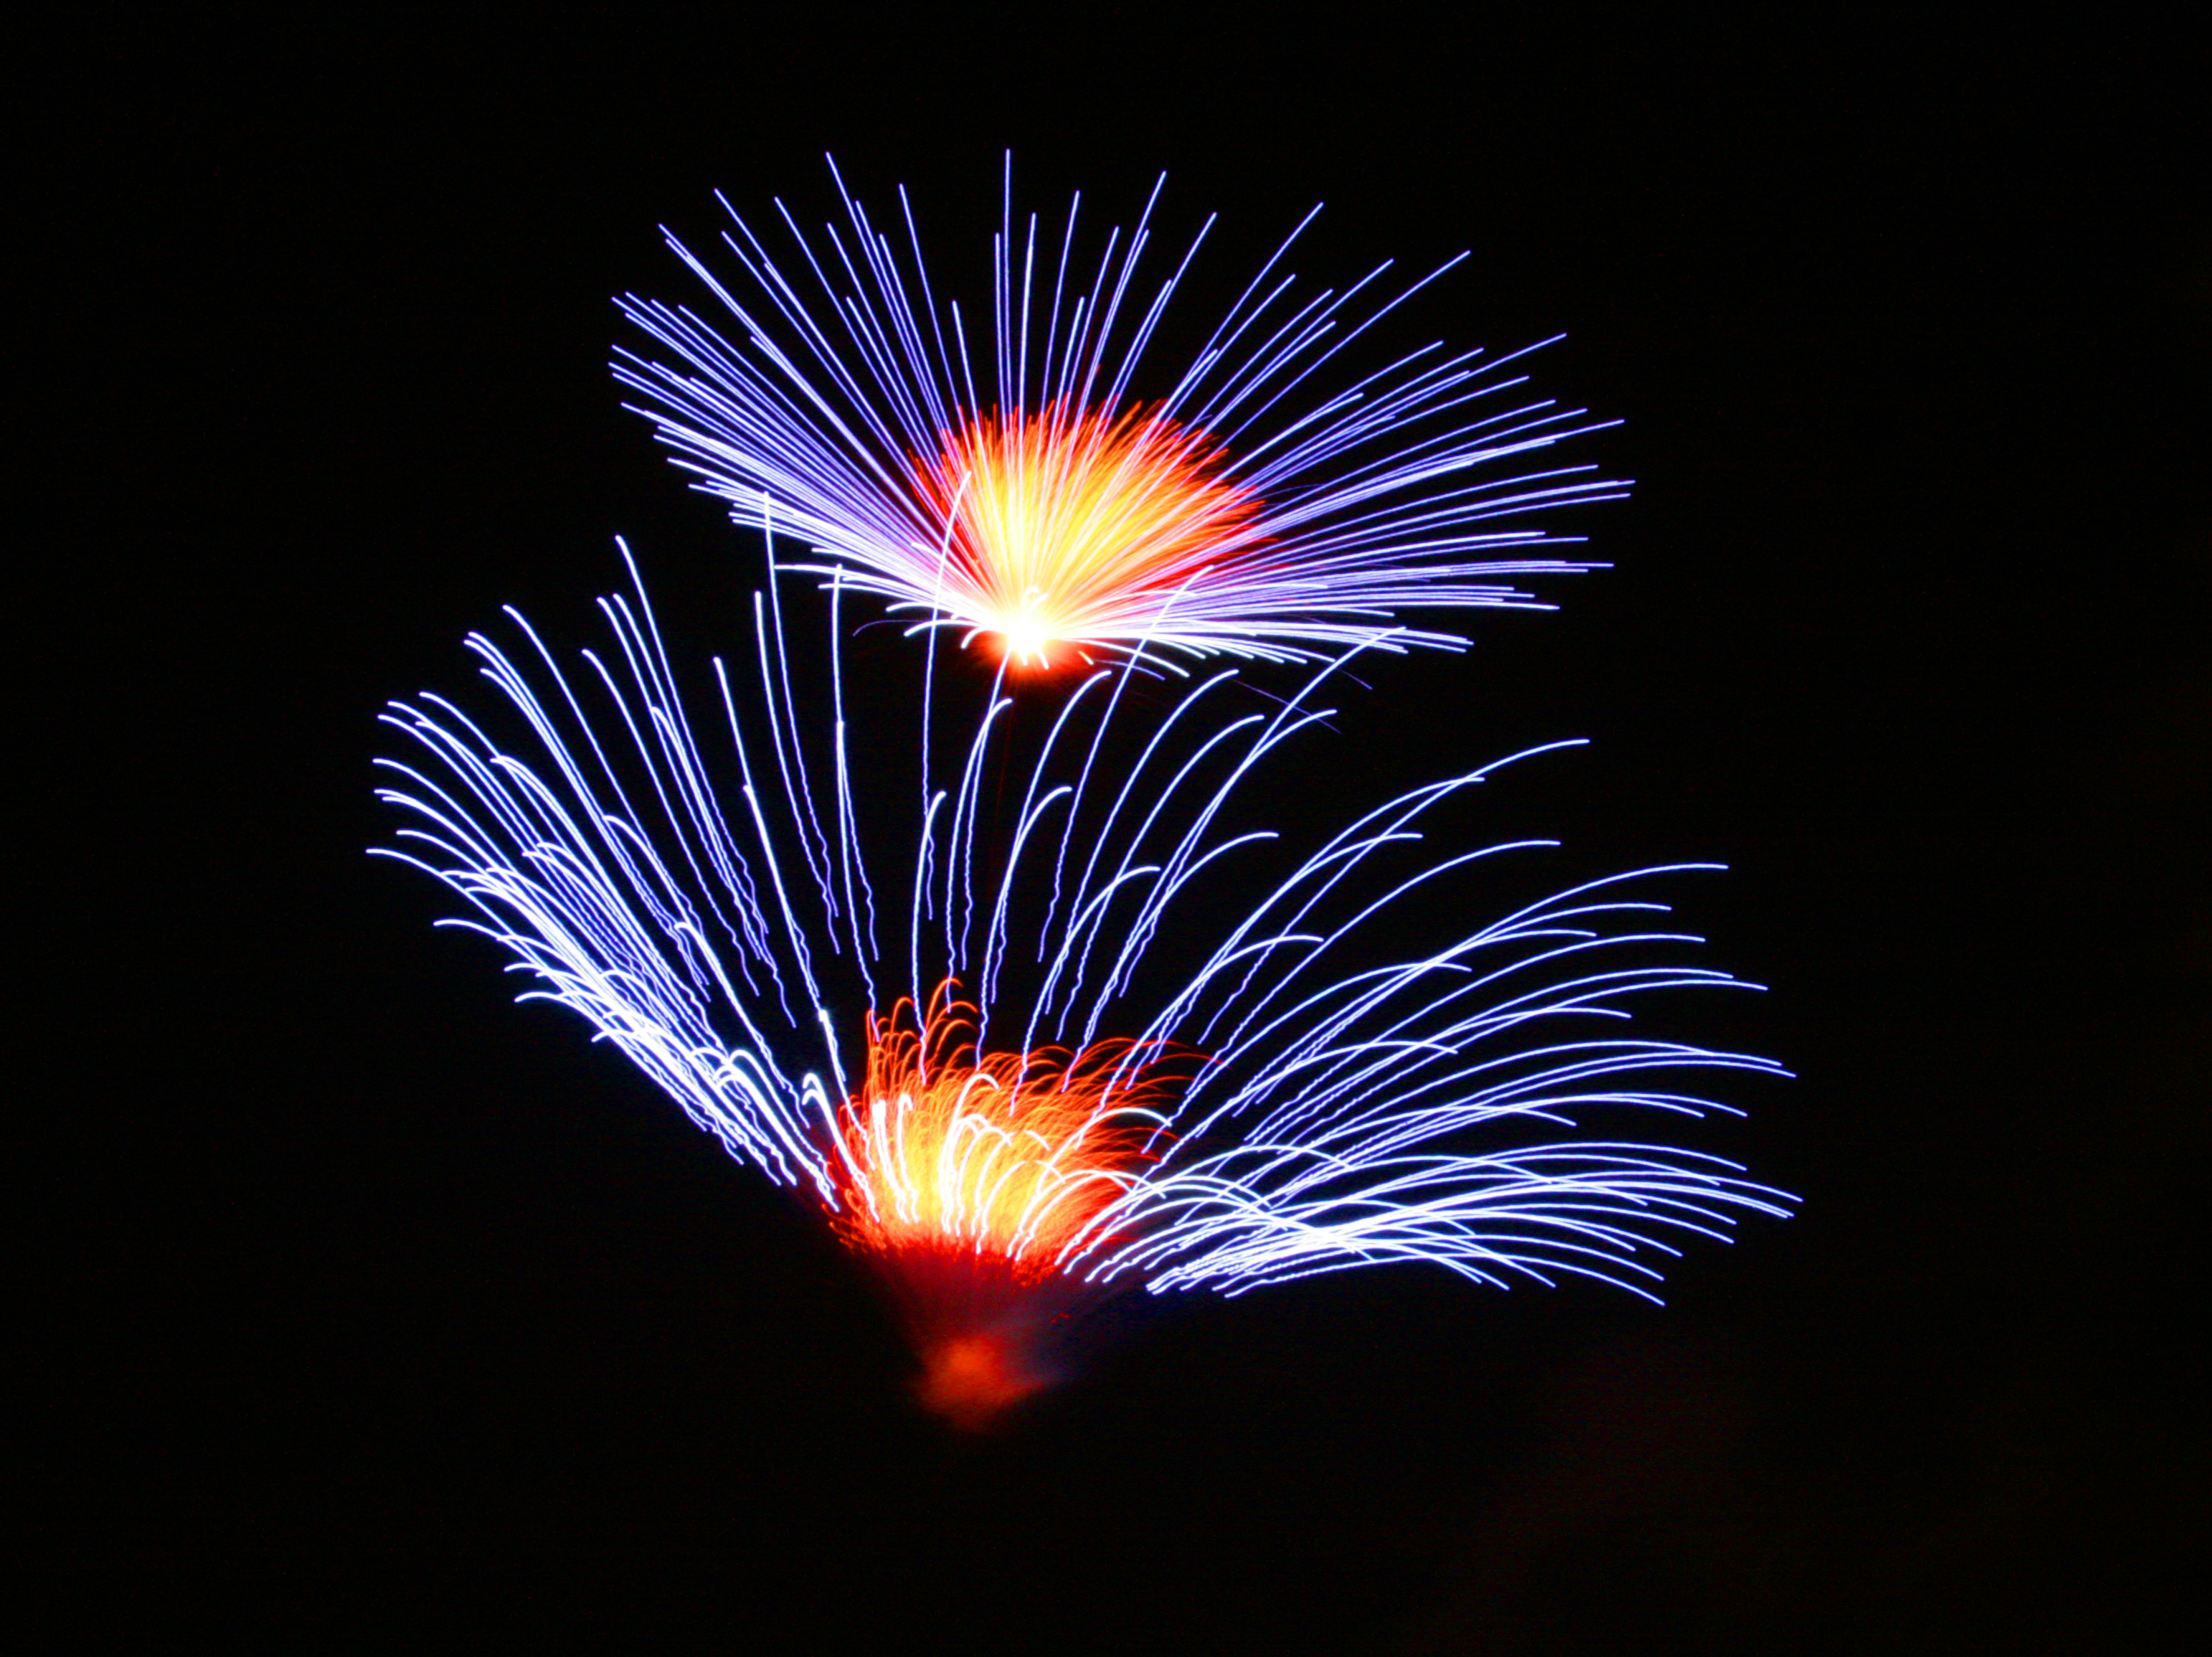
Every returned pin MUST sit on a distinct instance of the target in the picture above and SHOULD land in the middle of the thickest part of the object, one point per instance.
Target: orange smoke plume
(1073, 525)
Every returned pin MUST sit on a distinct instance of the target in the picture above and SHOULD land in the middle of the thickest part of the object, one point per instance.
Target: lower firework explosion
(1109, 1110)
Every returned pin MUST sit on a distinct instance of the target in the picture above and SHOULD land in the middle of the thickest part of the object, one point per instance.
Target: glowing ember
(970, 1379)
(1001, 1159)
(1071, 527)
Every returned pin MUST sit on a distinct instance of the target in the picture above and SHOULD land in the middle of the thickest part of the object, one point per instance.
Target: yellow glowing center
(1026, 636)
(1007, 1156)
(1073, 528)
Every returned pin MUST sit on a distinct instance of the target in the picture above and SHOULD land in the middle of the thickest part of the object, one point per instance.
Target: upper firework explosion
(1270, 500)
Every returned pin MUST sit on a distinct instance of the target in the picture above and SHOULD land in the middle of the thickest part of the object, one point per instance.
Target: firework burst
(1271, 501)
(1281, 1100)
(1004, 1156)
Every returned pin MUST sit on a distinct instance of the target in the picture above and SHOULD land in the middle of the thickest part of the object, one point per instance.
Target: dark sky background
(381, 1307)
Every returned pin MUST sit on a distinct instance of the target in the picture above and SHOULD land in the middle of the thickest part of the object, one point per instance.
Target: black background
(369, 1304)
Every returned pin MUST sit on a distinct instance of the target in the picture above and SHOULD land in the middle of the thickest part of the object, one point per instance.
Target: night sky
(371, 1306)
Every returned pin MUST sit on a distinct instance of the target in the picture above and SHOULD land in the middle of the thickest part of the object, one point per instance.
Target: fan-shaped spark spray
(1287, 1098)
(1274, 499)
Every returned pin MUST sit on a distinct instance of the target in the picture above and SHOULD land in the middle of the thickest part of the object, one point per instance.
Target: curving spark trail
(1278, 499)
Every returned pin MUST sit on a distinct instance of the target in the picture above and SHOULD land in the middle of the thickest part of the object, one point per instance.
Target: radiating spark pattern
(687, 895)
(1008, 1155)
(1069, 529)
(1276, 498)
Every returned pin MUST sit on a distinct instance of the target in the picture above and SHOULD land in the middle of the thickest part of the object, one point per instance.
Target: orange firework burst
(964, 1176)
(1071, 527)
(1005, 1158)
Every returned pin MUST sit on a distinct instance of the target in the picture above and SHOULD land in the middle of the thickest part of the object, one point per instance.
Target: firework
(1276, 498)
(1052, 1104)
